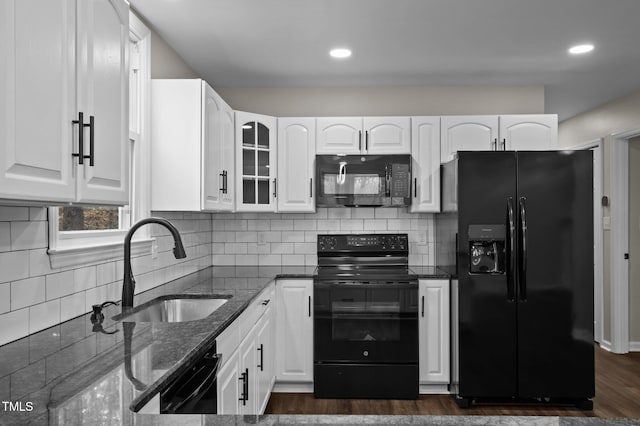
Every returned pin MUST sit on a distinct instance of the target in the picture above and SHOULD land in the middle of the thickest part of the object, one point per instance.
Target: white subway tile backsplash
(385, 213)
(60, 284)
(105, 273)
(352, 225)
(270, 259)
(235, 225)
(329, 225)
(5, 297)
(13, 214)
(304, 224)
(304, 248)
(293, 259)
(85, 278)
(282, 248)
(321, 213)
(281, 224)
(37, 214)
(375, 225)
(15, 324)
(224, 237)
(14, 265)
(235, 248)
(258, 225)
(95, 296)
(398, 224)
(223, 259)
(311, 259)
(270, 236)
(38, 263)
(259, 248)
(246, 259)
(73, 305)
(44, 315)
(246, 237)
(293, 237)
(5, 236)
(27, 292)
(363, 213)
(338, 213)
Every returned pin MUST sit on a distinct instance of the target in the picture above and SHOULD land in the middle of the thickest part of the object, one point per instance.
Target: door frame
(598, 268)
(619, 190)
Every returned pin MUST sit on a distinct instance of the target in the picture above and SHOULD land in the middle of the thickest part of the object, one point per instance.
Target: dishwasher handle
(184, 393)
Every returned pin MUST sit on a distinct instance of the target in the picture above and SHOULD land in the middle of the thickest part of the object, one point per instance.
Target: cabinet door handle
(244, 378)
(504, 144)
(422, 306)
(415, 187)
(310, 187)
(80, 123)
(275, 188)
(309, 306)
(224, 182)
(261, 350)
(92, 123)
(366, 141)
(495, 144)
(359, 140)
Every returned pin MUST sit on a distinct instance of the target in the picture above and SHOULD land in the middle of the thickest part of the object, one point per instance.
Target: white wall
(384, 101)
(617, 116)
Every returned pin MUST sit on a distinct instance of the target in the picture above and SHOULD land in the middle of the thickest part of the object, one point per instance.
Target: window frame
(73, 248)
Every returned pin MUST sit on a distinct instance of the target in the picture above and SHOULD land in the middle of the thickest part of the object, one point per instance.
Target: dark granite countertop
(437, 272)
(61, 371)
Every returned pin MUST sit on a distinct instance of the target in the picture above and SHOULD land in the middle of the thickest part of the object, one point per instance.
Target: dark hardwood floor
(617, 395)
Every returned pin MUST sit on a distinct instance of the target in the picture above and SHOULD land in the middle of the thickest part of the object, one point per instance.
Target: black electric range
(365, 318)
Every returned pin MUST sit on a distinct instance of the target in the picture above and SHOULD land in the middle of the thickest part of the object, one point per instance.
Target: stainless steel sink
(175, 309)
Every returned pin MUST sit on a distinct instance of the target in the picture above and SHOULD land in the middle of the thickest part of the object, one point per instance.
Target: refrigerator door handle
(511, 270)
(522, 279)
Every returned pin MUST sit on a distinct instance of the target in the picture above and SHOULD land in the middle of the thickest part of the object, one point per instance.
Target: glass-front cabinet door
(256, 162)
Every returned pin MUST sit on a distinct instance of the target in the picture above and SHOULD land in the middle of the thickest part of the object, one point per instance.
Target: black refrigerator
(524, 248)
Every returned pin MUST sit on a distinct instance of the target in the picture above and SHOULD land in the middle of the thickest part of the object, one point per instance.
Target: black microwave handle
(187, 390)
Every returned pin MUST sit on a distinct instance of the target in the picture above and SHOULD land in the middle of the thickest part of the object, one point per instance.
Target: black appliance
(195, 390)
(363, 180)
(365, 318)
(525, 275)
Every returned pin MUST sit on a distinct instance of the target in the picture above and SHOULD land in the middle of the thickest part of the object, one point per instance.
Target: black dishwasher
(195, 390)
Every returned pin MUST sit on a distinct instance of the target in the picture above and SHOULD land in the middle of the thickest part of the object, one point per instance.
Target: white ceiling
(285, 43)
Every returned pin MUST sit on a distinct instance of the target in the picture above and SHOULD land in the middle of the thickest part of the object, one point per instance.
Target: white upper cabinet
(498, 133)
(425, 164)
(218, 189)
(63, 59)
(296, 158)
(368, 135)
(529, 132)
(192, 147)
(467, 133)
(387, 135)
(342, 135)
(256, 181)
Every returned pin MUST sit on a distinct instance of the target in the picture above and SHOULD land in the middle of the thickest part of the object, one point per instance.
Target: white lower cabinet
(434, 330)
(265, 355)
(229, 385)
(294, 330)
(246, 377)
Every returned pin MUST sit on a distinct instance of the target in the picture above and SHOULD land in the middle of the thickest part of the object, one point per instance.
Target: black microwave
(363, 180)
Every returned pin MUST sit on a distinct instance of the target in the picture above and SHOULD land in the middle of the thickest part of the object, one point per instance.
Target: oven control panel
(363, 242)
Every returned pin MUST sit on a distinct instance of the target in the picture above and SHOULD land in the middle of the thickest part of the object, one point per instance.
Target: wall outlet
(606, 222)
(422, 238)
(154, 250)
(262, 238)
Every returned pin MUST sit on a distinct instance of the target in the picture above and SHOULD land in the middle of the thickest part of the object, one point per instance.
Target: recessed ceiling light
(340, 53)
(581, 48)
